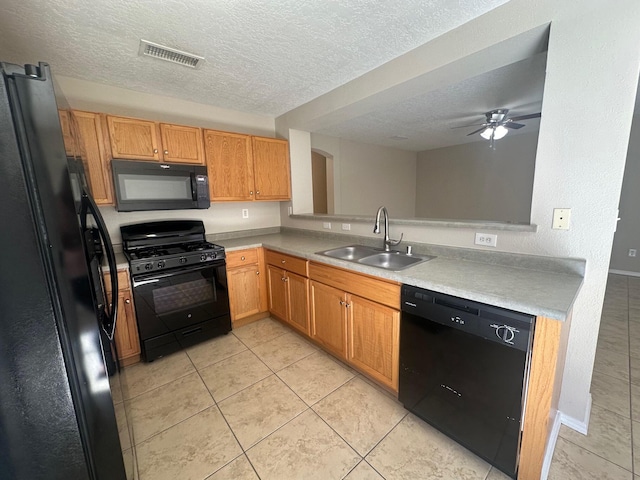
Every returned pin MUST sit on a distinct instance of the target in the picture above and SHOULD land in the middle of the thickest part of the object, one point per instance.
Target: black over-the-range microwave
(145, 185)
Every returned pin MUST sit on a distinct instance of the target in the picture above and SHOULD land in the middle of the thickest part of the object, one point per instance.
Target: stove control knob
(182, 260)
(161, 263)
(148, 266)
(203, 257)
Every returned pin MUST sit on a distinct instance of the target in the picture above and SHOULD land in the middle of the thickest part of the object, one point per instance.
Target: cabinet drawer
(240, 258)
(123, 280)
(287, 262)
(375, 289)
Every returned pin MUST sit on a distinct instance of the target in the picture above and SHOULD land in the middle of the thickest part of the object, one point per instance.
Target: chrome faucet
(376, 229)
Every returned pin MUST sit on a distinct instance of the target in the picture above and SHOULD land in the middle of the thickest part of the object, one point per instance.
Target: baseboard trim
(551, 446)
(625, 272)
(562, 419)
(580, 426)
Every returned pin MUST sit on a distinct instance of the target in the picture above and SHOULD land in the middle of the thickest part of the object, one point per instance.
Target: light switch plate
(327, 225)
(245, 213)
(561, 218)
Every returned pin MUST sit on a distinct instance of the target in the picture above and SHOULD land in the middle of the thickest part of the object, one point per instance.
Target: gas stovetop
(167, 245)
(158, 257)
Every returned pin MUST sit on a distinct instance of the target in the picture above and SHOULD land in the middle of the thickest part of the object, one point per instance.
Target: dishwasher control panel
(492, 323)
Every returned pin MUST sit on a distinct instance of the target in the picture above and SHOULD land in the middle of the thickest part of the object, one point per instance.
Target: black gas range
(179, 285)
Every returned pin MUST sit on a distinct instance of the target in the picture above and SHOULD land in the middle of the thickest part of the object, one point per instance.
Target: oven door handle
(153, 278)
(145, 282)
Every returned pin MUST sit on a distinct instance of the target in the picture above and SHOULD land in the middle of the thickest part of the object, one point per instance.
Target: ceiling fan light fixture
(500, 132)
(486, 133)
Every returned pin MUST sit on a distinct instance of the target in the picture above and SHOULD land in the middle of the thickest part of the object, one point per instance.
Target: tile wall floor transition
(264, 403)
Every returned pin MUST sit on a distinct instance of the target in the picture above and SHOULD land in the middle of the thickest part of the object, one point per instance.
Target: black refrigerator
(57, 417)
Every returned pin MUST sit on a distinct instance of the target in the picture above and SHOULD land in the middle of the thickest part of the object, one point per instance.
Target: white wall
(475, 182)
(628, 232)
(95, 97)
(219, 218)
(592, 73)
(368, 176)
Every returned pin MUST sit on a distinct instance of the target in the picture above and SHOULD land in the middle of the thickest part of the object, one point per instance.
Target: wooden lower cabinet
(288, 298)
(373, 331)
(328, 317)
(246, 283)
(363, 331)
(126, 335)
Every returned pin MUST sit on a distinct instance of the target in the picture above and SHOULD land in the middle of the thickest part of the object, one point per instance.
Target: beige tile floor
(263, 403)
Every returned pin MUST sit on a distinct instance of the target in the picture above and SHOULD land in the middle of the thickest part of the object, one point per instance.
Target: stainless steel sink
(351, 253)
(376, 257)
(393, 260)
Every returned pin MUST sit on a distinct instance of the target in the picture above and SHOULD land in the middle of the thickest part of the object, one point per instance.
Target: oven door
(179, 308)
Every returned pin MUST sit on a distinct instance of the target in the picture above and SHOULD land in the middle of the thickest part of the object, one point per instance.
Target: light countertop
(541, 286)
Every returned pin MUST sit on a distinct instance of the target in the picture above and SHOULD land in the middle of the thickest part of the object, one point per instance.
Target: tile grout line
(629, 357)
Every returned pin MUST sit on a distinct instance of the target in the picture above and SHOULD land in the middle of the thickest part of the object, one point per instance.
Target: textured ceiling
(263, 57)
(429, 120)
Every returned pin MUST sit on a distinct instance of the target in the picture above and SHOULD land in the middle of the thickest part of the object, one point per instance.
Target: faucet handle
(393, 243)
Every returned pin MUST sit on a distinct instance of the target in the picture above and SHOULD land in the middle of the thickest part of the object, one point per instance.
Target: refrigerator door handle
(89, 206)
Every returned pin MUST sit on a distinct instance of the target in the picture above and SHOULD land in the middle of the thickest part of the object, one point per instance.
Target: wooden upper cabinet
(93, 148)
(229, 166)
(67, 135)
(181, 144)
(272, 170)
(134, 139)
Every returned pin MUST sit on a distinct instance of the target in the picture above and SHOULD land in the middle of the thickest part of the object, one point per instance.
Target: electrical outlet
(633, 252)
(290, 210)
(327, 225)
(561, 218)
(346, 226)
(245, 213)
(486, 239)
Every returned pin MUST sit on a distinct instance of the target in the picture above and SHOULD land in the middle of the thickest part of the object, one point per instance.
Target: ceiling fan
(497, 124)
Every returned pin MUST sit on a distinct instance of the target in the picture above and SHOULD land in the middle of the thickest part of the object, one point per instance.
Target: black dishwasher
(464, 369)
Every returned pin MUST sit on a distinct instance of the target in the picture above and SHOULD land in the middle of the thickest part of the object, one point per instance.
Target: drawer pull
(283, 261)
(242, 258)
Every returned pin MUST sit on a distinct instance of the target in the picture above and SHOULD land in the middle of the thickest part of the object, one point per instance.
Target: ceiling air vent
(155, 50)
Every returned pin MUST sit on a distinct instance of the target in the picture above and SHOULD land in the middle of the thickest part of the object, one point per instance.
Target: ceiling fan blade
(514, 125)
(527, 117)
(476, 131)
(467, 126)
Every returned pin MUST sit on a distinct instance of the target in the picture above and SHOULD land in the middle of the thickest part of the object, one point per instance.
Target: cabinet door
(229, 165)
(277, 292)
(126, 336)
(328, 317)
(95, 155)
(272, 170)
(298, 302)
(133, 139)
(181, 144)
(244, 291)
(374, 336)
(67, 136)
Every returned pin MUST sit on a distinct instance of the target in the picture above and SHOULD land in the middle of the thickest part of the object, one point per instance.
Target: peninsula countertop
(537, 285)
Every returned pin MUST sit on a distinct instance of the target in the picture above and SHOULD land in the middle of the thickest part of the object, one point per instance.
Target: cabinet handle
(166, 152)
(283, 261)
(342, 302)
(285, 279)
(257, 273)
(127, 301)
(347, 305)
(258, 192)
(155, 150)
(242, 258)
(251, 192)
